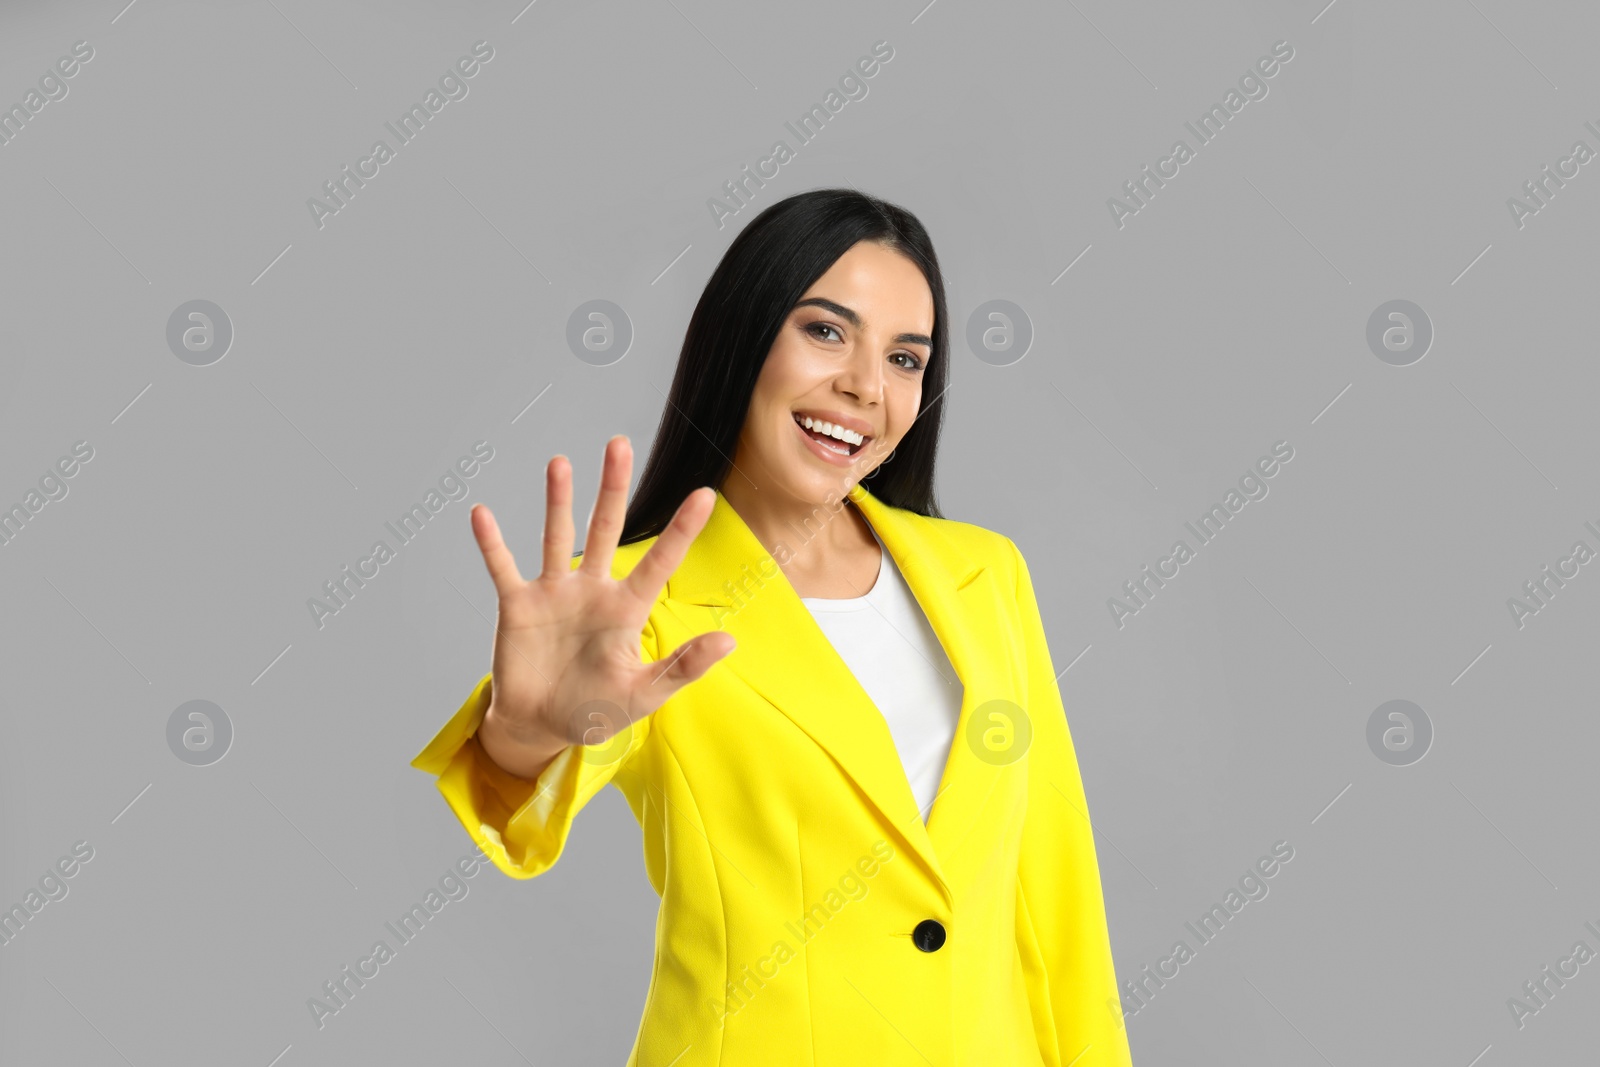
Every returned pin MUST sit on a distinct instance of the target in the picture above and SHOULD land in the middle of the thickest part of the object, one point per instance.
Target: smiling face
(842, 382)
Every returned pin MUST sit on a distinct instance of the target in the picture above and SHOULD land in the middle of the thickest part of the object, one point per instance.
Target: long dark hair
(763, 274)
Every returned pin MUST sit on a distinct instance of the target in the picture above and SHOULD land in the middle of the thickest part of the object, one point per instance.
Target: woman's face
(852, 354)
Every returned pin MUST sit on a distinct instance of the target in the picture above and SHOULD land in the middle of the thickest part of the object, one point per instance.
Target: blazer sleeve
(522, 824)
(1062, 935)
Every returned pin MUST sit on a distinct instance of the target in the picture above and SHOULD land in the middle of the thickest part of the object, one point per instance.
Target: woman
(867, 828)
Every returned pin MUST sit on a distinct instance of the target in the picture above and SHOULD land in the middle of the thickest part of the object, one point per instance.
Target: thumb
(686, 663)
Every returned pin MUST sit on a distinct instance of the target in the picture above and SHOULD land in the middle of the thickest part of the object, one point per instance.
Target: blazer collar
(728, 580)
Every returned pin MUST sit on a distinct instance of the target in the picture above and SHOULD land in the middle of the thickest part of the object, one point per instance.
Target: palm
(567, 667)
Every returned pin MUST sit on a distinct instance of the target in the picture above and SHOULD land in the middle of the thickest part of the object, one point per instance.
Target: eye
(814, 329)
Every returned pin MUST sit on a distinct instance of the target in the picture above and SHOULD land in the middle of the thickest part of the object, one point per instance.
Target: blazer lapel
(729, 581)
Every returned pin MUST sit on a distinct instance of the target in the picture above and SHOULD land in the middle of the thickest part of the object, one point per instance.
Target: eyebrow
(855, 320)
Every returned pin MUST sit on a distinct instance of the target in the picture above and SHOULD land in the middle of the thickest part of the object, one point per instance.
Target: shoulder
(975, 544)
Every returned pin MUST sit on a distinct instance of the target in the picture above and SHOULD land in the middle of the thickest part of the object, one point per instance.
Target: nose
(862, 376)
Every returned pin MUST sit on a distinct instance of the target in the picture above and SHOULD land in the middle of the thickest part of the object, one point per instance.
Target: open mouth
(834, 438)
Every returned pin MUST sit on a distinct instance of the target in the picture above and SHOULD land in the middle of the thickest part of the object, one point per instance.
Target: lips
(846, 426)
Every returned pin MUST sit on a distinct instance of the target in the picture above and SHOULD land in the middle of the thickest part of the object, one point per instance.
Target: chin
(820, 488)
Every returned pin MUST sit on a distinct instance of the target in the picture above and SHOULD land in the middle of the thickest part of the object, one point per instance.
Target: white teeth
(837, 432)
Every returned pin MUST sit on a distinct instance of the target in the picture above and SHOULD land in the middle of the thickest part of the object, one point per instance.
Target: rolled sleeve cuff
(520, 824)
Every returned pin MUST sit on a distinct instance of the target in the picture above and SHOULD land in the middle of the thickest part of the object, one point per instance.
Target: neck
(799, 534)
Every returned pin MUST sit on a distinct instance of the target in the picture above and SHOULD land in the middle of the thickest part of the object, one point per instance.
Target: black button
(928, 935)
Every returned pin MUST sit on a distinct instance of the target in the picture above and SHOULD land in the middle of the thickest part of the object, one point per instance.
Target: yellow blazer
(808, 916)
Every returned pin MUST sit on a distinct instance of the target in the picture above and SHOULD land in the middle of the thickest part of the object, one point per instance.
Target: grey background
(368, 355)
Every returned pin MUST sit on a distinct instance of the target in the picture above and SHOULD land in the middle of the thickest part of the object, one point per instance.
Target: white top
(886, 641)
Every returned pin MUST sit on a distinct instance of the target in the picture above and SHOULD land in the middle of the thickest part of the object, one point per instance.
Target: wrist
(530, 739)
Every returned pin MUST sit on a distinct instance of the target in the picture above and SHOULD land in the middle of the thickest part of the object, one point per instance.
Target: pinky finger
(496, 556)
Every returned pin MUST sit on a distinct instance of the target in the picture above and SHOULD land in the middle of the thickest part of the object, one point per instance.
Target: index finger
(650, 574)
